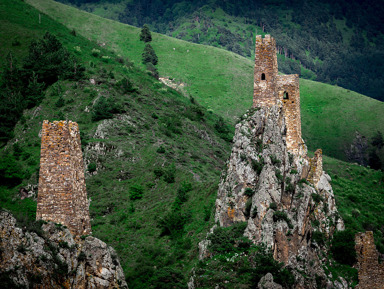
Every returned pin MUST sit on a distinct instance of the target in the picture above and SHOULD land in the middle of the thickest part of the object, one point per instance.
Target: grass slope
(157, 131)
(222, 81)
(359, 195)
(159, 158)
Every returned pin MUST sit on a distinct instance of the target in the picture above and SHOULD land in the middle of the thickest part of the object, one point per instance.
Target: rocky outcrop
(266, 186)
(48, 256)
(267, 283)
(357, 151)
(371, 272)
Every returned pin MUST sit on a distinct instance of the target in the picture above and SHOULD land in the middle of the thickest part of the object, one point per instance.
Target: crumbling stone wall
(62, 196)
(315, 167)
(289, 94)
(371, 272)
(276, 87)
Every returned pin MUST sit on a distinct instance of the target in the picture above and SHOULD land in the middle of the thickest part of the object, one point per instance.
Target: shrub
(64, 244)
(152, 70)
(145, 34)
(136, 192)
(173, 223)
(317, 198)
(343, 247)
(92, 167)
(49, 60)
(318, 237)
(249, 192)
(149, 55)
(81, 256)
(223, 239)
(257, 166)
(169, 174)
(289, 187)
(182, 196)
(11, 173)
(273, 206)
(126, 85)
(104, 109)
(248, 206)
(172, 124)
(95, 52)
(278, 175)
(355, 213)
(303, 181)
(280, 215)
(158, 172)
(275, 161)
(254, 212)
(161, 150)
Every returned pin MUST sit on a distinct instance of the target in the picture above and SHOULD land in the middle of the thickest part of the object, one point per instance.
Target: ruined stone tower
(265, 72)
(62, 196)
(269, 87)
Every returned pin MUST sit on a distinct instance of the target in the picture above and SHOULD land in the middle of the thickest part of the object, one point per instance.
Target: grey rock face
(267, 283)
(54, 259)
(265, 186)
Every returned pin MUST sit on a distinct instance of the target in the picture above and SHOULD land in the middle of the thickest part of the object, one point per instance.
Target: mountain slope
(153, 168)
(153, 163)
(222, 81)
(337, 42)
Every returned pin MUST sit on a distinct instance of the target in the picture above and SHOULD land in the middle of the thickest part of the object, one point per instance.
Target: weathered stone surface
(357, 151)
(55, 259)
(292, 197)
(260, 161)
(62, 194)
(267, 283)
(371, 272)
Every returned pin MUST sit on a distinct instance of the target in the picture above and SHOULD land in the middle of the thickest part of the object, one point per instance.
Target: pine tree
(145, 34)
(149, 55)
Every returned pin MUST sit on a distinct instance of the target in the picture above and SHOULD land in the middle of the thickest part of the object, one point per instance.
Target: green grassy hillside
(153, 165)
(222, 81)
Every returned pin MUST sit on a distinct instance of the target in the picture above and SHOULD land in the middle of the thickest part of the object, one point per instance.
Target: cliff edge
(48, 256)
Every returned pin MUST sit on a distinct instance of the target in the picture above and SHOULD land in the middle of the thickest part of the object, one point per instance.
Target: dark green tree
(343, 247)
(377, 140)
(149, 55)
(49, 60)
(145, 34)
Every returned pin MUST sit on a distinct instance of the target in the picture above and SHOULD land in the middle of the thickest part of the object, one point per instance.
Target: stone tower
(269, 88)
(62, 196)
(265, 74)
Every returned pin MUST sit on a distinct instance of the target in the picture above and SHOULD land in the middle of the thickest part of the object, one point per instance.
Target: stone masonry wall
(371, 272)
(276, 87)
(264, 91)
(289, 94)
(315, 167)
(62, 196)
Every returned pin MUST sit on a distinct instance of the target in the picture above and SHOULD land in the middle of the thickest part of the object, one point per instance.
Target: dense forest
(337, 42)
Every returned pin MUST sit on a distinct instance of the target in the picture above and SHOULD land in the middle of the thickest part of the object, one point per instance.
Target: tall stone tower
(265, 74)
(62, 196)
(269, 88)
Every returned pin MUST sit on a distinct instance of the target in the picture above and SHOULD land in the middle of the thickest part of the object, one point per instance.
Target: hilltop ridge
(331, 121)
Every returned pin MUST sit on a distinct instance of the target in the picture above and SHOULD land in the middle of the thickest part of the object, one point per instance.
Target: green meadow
(222, 81)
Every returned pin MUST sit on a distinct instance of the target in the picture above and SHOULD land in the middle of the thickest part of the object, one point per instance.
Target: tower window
(285, 96)
(262, 76)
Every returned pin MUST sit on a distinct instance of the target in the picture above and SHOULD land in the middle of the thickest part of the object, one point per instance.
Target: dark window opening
(262, 76)
(285, 96)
